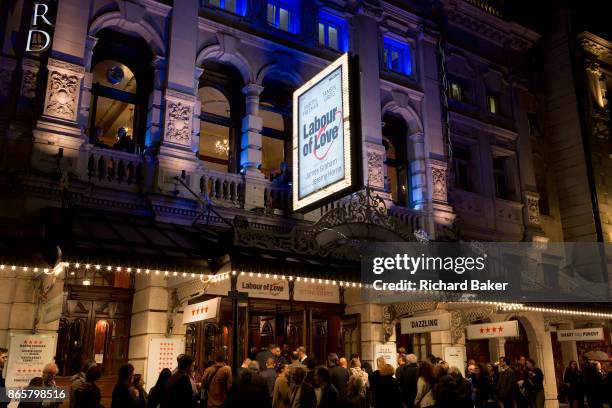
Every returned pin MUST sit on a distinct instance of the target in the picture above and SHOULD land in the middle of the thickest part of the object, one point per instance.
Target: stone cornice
(594, 44)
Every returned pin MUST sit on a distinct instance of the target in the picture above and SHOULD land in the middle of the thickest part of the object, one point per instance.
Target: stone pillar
(371, 329)
(497, 348)
(568, 348)
(7, 69)
(251, 149)
(155, 108)
(366, 35)
(149, 318)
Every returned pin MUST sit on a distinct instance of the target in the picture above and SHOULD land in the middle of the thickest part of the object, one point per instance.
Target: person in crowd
(35, 382)
(302, 393)
(3, 360)
(385, 390)
(122, 397)
(178, 391)
(282, 393)
(342, 362)
(505, 389)
(520, 375)
(264, 354)
(157, 392)
(304, 359)
(440, 368)
(401, 360)
(572, 381)
(250, 389)
(533, 385)
(407, 376)
(138, 387)
(124, 141)
(425, 383)
(357, 371)
(216, 382)
(355, 393)
(269, 375)
(77, 380)
(367, 367)
(244, 366)
(481, 384)
(49, 373)
(88, 395)
(280, 356)
(339, 375)
(326, 394)
(310, 372)
(594, 383)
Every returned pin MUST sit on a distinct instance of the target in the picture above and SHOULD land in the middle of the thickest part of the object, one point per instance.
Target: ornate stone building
(147, 144)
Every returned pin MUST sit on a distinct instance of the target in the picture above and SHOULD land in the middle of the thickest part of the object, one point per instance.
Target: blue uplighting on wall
(284, 15)
(332, 32)
(397, 56)
(233, 6)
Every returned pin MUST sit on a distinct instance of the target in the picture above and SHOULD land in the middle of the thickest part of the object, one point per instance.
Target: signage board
(326, 137)
(197, 312)
(424, 324)
(267, 288)
(28, 354)
(455, 357)
(595, 334)
(493, 330)
(316, 292)
(219, 288)
(386, 350)
(163, 353)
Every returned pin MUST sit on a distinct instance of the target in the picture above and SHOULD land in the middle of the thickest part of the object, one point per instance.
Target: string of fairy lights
(213, 278)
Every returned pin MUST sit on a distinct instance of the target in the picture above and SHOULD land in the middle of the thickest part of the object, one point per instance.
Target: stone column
(568, 348)
(155, 108)
(497, 348)
(251, 149)
(366, 40)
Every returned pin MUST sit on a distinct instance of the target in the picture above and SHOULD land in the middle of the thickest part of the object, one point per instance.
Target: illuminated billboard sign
(326, 137)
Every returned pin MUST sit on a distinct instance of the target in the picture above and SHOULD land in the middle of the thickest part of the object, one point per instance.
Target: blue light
(331, 20)
(284, 15)
(397, 56)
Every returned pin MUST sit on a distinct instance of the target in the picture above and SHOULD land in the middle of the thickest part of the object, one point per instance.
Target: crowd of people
(271, 378)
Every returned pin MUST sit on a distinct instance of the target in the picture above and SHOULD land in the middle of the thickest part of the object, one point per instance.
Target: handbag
(563, 392)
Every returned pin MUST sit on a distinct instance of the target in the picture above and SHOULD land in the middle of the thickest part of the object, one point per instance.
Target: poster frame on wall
(353, 164)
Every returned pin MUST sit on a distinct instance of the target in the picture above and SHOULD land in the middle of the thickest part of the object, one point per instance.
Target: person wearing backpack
(216, 383)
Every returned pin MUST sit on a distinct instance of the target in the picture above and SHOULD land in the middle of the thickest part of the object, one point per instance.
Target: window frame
(491, 96)
(327, 25)
(221, 121)
(278, 5)
(240, 5)
(405, 51)
(501, 173)
(457, 161)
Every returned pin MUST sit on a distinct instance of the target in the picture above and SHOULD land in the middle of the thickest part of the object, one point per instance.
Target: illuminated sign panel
(325, 136)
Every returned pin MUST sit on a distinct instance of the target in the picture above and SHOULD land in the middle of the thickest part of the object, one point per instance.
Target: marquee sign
(493, 330)
(326, 137)
(595, 334)
(424, 324)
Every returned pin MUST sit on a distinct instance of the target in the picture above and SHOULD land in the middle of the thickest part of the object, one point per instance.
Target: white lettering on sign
(39, 40)
(316, 292)
(264, 288)
(594, 334)
(423, 324)
(28, 354)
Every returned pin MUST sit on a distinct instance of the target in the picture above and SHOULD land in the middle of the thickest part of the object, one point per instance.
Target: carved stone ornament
(28, 85)
(533, 210)
(375, 170)
(5, 83)
(388, 319)
(178, 128)
(592, 47)
(462, 318)
(438, 181)
(599, 124)
(362, 208)
(62, 95)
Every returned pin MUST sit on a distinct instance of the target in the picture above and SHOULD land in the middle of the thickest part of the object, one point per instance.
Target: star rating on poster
(199, 311)
(29, 371)
(493, 329)
(32, 342)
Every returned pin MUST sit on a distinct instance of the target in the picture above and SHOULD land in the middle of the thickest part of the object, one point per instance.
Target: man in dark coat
(407, 376)
(263, 356)
(339, 375)
(506, 383)
(329, 394)
(178, 391)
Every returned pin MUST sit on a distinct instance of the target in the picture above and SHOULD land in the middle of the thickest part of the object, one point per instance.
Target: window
(273, 140)
(456, 91)
(215, 126)
(501, 179)
(332, 32)
(461, 161)
(493, 104)
(396, 162)
(283, 15)
(233, 6)
(396, 56)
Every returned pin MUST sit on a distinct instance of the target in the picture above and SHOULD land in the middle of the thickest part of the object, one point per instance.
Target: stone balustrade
(223, 189)
(114, 168)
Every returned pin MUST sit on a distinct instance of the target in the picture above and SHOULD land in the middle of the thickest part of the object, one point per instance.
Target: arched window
(222, 108)
(396, 163)
(215, 125)
(121, 84)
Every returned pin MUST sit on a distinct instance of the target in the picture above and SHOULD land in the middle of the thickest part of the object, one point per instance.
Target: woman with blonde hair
(385, 389)
(357, 371)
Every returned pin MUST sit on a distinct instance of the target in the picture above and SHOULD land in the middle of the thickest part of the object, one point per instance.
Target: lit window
(215, 128)
(396, 56)
(233, 6)
(493, 104)
(332, 32)
(282, 16)
(456, 91)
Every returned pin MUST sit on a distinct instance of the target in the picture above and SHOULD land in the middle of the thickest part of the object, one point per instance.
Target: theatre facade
(147, 159)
